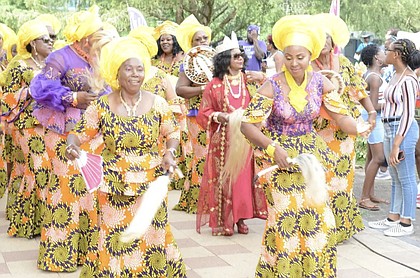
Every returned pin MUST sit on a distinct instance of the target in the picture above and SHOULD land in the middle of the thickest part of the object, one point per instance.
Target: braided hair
(409, 54)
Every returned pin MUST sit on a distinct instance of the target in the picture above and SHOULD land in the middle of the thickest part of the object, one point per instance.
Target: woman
(374, 59)
(227, 93)
(191, 33)
(401, 135)
(170, 54)
(343, 202)
(31, 166)
(62, 93)
(8, 39)
(134, 124)
(299, 238)
(161, 83)
(274, 61)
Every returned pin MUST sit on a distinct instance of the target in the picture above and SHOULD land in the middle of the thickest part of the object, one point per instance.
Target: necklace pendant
(235, 82)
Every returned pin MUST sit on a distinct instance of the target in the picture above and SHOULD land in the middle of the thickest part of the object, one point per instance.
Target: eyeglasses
(236, 56)
(44, 40)
(53, 37)
(387, 50)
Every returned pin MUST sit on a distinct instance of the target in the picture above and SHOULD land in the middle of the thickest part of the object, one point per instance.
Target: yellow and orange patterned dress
(343, 202)
(31, 166)
(132, 157)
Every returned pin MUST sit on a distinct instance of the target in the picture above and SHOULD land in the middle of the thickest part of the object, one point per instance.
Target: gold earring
(36, 52)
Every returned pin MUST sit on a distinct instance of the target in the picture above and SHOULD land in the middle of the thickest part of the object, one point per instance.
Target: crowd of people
(139, 103)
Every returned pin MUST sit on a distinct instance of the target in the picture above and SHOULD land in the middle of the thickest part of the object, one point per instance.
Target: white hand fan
(150, 203)
(90, 166)
(316, 191)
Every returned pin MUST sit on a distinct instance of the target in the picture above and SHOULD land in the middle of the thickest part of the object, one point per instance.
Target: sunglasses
(44, 40)
(238, 55)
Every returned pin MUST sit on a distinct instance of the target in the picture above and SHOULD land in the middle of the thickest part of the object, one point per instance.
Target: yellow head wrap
(59, 44)
(299, 30)
(50, 20)
(29, 31)
(115, 53)
(167, 27)
(144, 35)
(335, 27)
(187, 30)
(82, 24)
(9, 39)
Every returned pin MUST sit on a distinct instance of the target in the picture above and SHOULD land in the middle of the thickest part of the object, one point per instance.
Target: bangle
(74, 103)
(372, 112)
(202, 88)
(172, 151)
(271, 149)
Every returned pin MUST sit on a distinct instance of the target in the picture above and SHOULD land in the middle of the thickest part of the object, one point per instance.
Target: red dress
(223, 204)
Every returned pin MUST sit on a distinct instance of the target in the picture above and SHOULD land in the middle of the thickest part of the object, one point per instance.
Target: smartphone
(401, 155)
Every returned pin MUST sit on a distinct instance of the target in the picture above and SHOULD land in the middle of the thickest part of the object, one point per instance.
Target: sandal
(242, 228)
(379, 200)
(368, 205)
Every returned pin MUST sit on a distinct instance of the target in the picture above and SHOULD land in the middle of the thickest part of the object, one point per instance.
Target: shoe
(383, 175)
(383, 224)
(399, 230)
(367, 204)
(242, 228)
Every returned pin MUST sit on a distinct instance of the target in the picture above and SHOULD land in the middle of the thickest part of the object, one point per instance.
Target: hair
(409, 54)
(175, 47)
(368, 54)
(270, 41)
(221, 63)
(29, 48)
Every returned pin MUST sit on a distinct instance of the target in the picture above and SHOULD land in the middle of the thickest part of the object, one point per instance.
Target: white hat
(228, 44)
(414, 37)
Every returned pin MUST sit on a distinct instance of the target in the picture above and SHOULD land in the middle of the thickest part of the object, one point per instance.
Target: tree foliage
(224, 16)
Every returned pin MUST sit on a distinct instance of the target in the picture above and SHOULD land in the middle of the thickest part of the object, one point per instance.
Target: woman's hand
(254, 76)
(280, 156)
(84, 99)
(168, 162)
(393, 157)
(223, 118)
(372, 119)
(72, 152)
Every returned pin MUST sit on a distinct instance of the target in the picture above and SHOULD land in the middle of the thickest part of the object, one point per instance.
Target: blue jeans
(404, 185)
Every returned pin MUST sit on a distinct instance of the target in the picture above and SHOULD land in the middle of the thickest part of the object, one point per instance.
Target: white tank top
(381, 99)
(271, 65)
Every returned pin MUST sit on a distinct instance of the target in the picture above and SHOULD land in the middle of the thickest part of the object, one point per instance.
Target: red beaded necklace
(321, 67)
(79, 51)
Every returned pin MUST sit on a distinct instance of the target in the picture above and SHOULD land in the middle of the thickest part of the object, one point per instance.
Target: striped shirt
(400, 102)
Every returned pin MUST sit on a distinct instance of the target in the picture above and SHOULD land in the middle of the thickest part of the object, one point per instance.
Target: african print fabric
(343, 202)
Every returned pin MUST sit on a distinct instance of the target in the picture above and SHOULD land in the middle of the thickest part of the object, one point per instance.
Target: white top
(381, 99)
(271, 65)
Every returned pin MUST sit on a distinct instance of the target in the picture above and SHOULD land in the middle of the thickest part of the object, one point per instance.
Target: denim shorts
(377, 134)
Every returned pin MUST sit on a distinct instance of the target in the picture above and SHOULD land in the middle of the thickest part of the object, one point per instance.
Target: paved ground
(208, 257)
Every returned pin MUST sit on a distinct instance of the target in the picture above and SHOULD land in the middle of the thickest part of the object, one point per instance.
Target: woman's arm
(186, 89)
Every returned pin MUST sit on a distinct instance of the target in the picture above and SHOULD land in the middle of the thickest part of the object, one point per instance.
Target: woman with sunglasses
(226, 197)
(31, 167)
(401, 135)
(62, 93)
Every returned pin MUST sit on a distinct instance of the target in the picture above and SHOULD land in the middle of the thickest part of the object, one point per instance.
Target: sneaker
(383, 175)
(399, 230)
(383, 224)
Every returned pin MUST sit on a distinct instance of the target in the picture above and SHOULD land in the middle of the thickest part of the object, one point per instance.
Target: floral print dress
(343, 202)
(299, 240)
(31, 166)
(132, 157)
